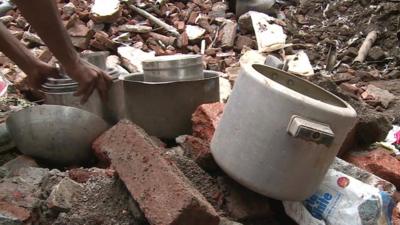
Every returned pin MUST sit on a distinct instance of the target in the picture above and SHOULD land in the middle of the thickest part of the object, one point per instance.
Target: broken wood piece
(366, 46)
(166, 40)
(155, 20)
(134, 28)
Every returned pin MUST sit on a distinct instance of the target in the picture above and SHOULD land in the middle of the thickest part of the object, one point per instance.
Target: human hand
(39, 73)
(89, 78)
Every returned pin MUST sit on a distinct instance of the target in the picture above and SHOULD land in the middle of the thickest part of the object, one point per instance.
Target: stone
(194, 32)
(198, 150)
(153, 181)
(379, 162)
(245, 23)
(102, 41)
(135, 28)
(380, 95)
(63, 194)
(18, 163)
(205, 120)
(228, 34)
(82, 175)
(241, 203)
(363, 176)
(226, 221)
(376, 53)
(6, 19)
(68, 9)
(11, 214)
(32, 38)
(244, 40)
(394, 74)
(6, 142)
(204, 183)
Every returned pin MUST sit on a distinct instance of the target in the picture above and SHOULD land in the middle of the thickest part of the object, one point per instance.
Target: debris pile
(350, 48)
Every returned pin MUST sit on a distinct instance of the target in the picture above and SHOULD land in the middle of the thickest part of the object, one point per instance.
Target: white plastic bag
(344, 200)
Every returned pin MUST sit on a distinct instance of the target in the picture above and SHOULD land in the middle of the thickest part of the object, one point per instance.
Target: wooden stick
(366, 46)
(155, 20)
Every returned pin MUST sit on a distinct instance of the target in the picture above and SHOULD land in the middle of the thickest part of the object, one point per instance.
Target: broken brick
(379, 162)
(198, 150)
(13, 166)
(161, 190)
(205, 120)
(102, 41)
(243, 40)
(12, 214)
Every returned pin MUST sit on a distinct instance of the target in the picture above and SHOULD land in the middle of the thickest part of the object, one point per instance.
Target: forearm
(43, 15)
(14, 50)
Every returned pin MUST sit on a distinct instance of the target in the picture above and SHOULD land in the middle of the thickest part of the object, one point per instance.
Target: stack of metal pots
(163, 98)
(60, 92)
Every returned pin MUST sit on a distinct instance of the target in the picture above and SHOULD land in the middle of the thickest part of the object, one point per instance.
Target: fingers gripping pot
(279, 133)
(60, 91)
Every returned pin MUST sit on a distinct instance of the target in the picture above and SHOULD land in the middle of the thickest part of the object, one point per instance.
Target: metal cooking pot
(57, 134)
(173, 68)
(279, 133)
(164, 109)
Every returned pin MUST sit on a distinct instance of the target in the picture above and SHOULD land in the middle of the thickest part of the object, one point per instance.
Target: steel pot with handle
(279, 133)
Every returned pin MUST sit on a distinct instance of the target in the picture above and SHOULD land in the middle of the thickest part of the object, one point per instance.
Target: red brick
(163, 193)
(205, 120)
(198, 150)
(379, 162)
(14, 212)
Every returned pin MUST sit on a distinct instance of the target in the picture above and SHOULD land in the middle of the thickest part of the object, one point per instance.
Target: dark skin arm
(36, 70)
(44, 17)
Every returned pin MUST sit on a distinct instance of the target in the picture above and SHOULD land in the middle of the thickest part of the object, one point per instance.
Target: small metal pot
(164, 109)
(173, 68)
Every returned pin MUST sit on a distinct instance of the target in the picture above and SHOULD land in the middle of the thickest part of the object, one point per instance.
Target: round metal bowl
(57, 134)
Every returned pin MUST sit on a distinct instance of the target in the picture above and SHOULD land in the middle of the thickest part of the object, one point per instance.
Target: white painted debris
(106, 11)
(252, 57)
(3, 85)
(225, 89)
(194, 32)
(300, 64)
(134, 56)
(270, 36)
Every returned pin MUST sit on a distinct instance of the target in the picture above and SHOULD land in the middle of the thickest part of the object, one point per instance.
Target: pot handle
(309, 130)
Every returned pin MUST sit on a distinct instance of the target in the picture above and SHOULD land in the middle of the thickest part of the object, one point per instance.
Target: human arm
(36, 70)
(44, 17)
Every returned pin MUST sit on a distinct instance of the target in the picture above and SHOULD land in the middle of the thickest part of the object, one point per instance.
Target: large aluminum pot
(58, 134)
(164, 109)
(173, 68)
(279, 133)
